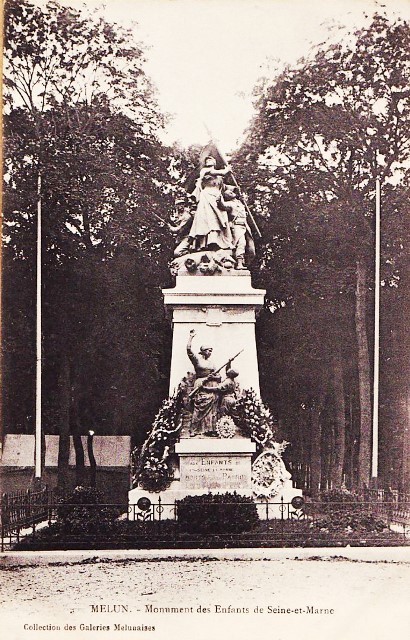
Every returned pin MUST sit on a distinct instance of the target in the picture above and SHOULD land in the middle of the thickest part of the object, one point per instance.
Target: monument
(213, 433)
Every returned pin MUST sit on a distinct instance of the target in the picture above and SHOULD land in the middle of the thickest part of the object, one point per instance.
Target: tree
(81, 140)
(322, 134)
(69, 79)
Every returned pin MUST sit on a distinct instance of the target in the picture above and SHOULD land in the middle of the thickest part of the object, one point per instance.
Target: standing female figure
(210, 228)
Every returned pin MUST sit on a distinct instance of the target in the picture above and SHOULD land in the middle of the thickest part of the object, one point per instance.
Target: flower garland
(254, 419)
(269, 472)
(151, 464)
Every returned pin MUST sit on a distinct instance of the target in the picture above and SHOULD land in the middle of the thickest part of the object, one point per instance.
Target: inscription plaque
(222, 472)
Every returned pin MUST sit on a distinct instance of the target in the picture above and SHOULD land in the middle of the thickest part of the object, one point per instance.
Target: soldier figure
(241, 233)
(205, 400)
(184, 218)
(228, 389)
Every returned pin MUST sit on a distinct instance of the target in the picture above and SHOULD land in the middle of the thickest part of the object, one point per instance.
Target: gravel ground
(362, 599)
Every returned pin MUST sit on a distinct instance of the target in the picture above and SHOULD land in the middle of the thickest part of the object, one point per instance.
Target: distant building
(112, 454)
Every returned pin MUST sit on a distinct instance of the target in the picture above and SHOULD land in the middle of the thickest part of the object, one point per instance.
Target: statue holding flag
(220, 236)
(210, 228)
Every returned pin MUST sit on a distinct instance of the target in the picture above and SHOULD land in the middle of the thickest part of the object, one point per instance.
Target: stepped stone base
(210, 466)
(267, 509)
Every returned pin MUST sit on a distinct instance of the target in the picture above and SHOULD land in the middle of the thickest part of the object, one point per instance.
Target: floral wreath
(225, 427)
(152, 464)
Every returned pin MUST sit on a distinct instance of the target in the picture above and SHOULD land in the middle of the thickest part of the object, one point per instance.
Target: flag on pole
(210, 150)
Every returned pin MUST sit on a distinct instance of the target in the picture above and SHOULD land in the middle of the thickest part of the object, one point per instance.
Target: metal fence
(22, 510)
(35, 520)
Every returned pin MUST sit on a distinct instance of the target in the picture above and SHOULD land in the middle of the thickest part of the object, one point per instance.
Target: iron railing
(149, 524)
(24, 509)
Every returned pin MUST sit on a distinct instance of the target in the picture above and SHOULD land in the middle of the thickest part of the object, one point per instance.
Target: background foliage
(82, 142)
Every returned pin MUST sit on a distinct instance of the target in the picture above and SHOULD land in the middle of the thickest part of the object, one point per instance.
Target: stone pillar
(222, 310)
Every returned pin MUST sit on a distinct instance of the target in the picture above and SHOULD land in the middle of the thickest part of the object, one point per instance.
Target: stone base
(206, 263)
(267, 509)
(211, 466)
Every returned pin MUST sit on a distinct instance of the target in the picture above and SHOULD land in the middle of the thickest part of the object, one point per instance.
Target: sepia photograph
(205, 293)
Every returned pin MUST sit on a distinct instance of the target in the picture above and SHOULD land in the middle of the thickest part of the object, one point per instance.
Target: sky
(205, 56)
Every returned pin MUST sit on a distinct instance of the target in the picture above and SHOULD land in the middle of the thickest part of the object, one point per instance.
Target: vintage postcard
(205, 291)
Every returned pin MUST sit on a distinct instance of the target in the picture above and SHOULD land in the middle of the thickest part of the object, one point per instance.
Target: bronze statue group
(208, 397)
(217, 222)
(212, 236)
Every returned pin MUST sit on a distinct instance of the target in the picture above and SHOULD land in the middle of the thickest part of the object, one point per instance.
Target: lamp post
(375, 430)
(38, 427)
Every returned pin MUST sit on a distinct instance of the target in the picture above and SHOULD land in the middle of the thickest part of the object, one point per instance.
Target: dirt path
(217, 597)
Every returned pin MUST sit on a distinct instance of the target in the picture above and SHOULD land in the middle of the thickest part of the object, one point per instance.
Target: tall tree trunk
(93, 462)
(349, 451)
(87, 229)
(327, 448)
(316, 441)
(64, 388)
(405, 472)
(116, 420)
(80, 472)
(364, 378)
(340, 419)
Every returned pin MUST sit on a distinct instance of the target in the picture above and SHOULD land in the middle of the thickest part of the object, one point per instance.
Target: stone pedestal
(211, 466)
(222, 310)
(205, 466)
